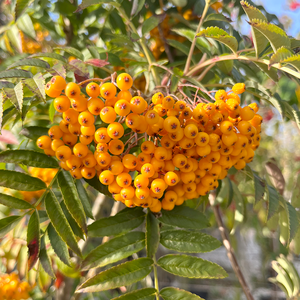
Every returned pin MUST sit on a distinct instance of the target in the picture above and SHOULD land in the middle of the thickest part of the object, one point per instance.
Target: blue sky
(281, 9)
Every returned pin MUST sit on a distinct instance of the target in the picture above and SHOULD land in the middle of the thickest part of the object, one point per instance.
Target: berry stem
(189, 59)
(95, 79)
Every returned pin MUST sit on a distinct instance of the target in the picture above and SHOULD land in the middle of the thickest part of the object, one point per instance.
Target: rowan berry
(239, 88)
(63, 125)
(171, 178)
(108, 114)
(167, 205)
(179, 161)
(176, 136)
(229, 139)
(70, 139)
(180, 105)
(89, 160)
(63, 153)
(129, 161)
(116, 167)
(122, 108)
(254, 106)
(80, 150)
(115, 130)
(56, 144)
(157, 98)
(74, 162)
(191, 131)
(93, 89)
(124, 95)
(102, 136)
(144, 158)
(148, 147)
(103, 159)
(86, 140)
(132, 120)
(51, 91)
(148, 170)
(72, 90)
(58, 82)
(152, 117)
(76, 173)
(160, 153)
(116, 147)
(158, 185)
(168, 102)
(108, 90)
(49, 152)
(124, 81)
(79, 104)
(138, 105)
(124, 180)
(71, 116)
(221, 95)
(127, 193)
(61, 103)
(106, 177)
(44, 142)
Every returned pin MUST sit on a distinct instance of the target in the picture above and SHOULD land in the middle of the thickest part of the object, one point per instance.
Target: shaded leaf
(188, 241)
(34, 62)
(137, 6)
(14, 37)
(84, 198)
(239, 207)
(34, 132)
(123, 274)
(221, 36)
(150, 24)
(152, 234)
(114, 250)
(1, 109)
(171, 293)
(20, 7)
(259, 187)
(118, 224)
(295, 201)
(58, 245)
(37, 85)
(33, 239)
(95, 62)
(276, 176)
(13, 202)
(184, 217)
(191, 267)
(97, 185)
(281, 54)
(86, 3)
(78, 67)
(6, 84)
(273, 201)
(60, 222)
(143, 294)
(19, 94)
(71, 51)
(7, 224)
(44, 259)
(71, 198)
(28, 158)
(25, 25)
(15, 74)
(217, 17)
(20, 181)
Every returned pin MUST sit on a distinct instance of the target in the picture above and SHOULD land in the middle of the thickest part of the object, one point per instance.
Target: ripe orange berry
(179, 161)
(51, 91)
(58, 82)
(71, 116)
(94, 106)
(229, 139)
(63, 125)
(124, 179)
(74, 128)
(63, 153)
(171, 178)
(85, 118)
(116, 167)
(122, 107)
(102, 136)
(160, 153)
(49, 152)
(86, 140)
(180, 105)
(254, 106)
(103, 159)
(116, 147)
(72, 90)
(167, 205)
(55, 132)
(221, 95)
(79, 104)
(124, 95)
(158, 185)
(127, 193)
(171, 124)
(124, 81)
(247, 113)
(245, 127)
(70, 139)
(148, 147)
(56, 144)
(226, 127)
(88, 173)
(152, 117)
(108, 114)
(138, 105)
(80, 150)
(148, 170)
(141, 181)
(76, 173)
(108, 90)
(61, 103)
(89, 160)
(156, 208)
(44, 142)
(88, 131)
(93, 89)
(74, 162)
(129, 161)
(143, 194)
(239, 88)
(168, 102)
(157, 98)
(115, 130)
(132, 120)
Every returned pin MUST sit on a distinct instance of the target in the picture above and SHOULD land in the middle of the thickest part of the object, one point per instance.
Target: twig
(96, 79)
(202, 75)
(228, 247)
(189, 59)
(166, 46)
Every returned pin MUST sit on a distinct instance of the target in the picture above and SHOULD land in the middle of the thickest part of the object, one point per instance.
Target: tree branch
(229, 249)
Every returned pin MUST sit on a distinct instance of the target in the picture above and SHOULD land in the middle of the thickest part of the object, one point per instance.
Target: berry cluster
(12, 288)
(185, 147)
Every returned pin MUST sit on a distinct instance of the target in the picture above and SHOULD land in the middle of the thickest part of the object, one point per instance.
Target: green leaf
(276, 36)
(179, 3)
(123, 274)
(6, 84)
(7, 224)
(51, 111)
(143, 294)
(293, 220)
(15, 74)
(15, 37)
(275, 176)
(118, 224)
(259, 40)
(34, 62)
(259, 187)
(71, 198)
(230, 192)
(272, 198)
(184, 217)
(58, 245)
(271, 72)
(181, 47)
(45, 260)
(281, 54)
(295, 201)
(239, 207)
(37, 85)
(34, 132)
(33, 239)
(19, 94)
(152, 234)
(221, 36)
(13, 202)
(293, 61)
(25, 24)
(97, 185)
(191, 267)
(60, 222)
(188, 241)
(71, 51)
(1, 109)
(86, 3)
(114, 250)
(84, 198)
(150, 24)
(137, 6)
(20, 7)
(20, 181)
(50, 55)
(217, 17)
(171, 293)
(28, 158)
(11, 95)
(174, 83)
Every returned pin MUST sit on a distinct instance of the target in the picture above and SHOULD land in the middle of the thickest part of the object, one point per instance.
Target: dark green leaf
(34, 62)
(84, 198)
(15, 74)
(71, 51)
(171, 293)
(124, 274)
(259, 187)
(13, 202)
(152, 234)
(6, 84)
(137, 6)
(143, 294)
(20, 7)
(118, 224)
(191, 267)
(28, 158)
(58, 245)
(7, 224)
(33, 239)
(60, 222)
(150, 24)
(20, 181)
(97, 185)
(188, 241)
(45, 260)
(114, 250)
(230, 192)
(273, 202)
(71, 198)
(34, 132)
(184, 217)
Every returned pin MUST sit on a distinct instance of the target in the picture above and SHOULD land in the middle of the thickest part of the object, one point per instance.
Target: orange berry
(122, 107)
(132, 120)
(93, 89)
(239, 88)
(124, 95)
(108, 90)
(115, 130)
(94, 106)
(141, 181)
(70, 139)
(168, 102)
(129, 161)
(56, 144)
(148, 147)
(171, 124)
(74, 162)
(58, 82)
(72, 90)
(148, 170)
(157, 98)
(179, 161)
(71, 116)
(85, 118)
(89, 160)
(127, 192)
(88, 173)
(221, 95)
(44, 142)
(51, 91)
(124, 81)
(61, 103)
(116, 147)
(74, 128)
(171, 178)
(102, 136)
(79, 104)
(80, 150)
(63, 125)
(124, 179)
(63, 153)
(167, 205)
(152, 117)
(116, 167)
(76, 173)
(103, 159)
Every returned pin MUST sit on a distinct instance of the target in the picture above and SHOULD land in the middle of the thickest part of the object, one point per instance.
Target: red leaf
(33, 251)
(96, 62)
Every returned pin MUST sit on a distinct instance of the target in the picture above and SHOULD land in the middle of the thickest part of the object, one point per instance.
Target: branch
(228, 247)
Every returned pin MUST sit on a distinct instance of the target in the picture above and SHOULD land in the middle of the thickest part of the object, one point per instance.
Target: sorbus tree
(151, 110)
